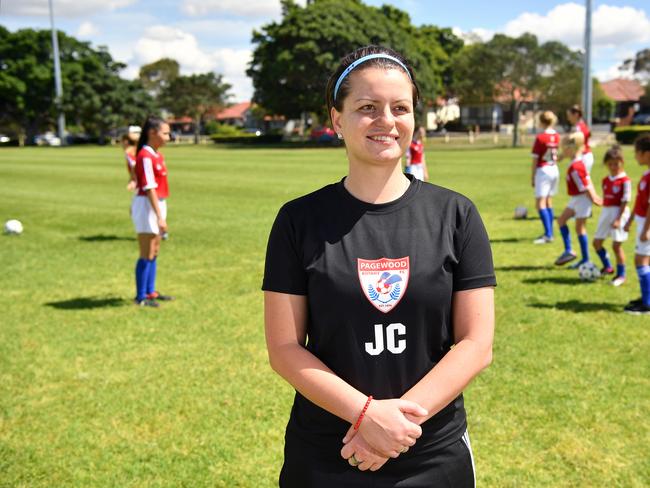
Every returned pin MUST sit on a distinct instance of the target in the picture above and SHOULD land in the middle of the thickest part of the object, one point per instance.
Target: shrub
(628, 133)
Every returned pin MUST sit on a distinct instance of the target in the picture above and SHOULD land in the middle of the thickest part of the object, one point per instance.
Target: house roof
(623, 90)
(237, 111)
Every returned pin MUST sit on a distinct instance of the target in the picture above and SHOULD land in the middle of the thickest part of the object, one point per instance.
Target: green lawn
(97, 393)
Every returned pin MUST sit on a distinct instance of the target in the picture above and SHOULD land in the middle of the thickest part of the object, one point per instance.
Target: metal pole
(57, 77)
(586, 69)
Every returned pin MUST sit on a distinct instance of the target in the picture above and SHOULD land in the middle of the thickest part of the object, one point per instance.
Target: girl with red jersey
(641, 306)
(416, 161)
(574, 115)
(378, 296)
(617, 193)
(582, 195)
(149, 208)
(545, 174)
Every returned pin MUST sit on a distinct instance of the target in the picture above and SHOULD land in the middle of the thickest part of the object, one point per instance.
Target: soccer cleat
(637, 309)
(607, 271)
(565, 257)
(147, 302)
(159, 296)
(543, 240)
(578, 264)
(618, 281)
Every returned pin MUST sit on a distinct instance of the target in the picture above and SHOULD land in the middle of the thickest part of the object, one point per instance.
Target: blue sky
(205, 35)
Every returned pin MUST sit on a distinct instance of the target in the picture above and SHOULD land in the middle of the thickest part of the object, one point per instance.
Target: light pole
(57, 78)
(586, 68)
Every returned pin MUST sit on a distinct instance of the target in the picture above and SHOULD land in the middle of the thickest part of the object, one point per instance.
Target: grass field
(97, 393)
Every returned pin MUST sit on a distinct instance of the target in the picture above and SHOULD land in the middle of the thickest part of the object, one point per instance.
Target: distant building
(242, 115)
(627, 95)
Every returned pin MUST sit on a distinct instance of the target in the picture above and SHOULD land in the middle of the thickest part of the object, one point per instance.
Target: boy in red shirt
(641, 306)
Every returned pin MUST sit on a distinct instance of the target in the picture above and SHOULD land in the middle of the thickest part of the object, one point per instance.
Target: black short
(449, 467)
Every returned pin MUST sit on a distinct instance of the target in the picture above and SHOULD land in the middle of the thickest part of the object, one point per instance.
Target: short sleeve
(538, 148)
(283, 269)
(474, 268)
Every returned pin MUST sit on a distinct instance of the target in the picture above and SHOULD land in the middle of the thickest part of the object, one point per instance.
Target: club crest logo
(384, 281)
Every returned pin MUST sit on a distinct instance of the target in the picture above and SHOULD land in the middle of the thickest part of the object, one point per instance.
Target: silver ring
(354, 461)
(404, 449)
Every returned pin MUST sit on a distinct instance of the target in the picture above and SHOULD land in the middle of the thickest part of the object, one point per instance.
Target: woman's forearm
(316, 382)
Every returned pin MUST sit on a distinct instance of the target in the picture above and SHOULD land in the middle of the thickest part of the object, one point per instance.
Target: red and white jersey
(577, 178)
(416, 150)
(130, 162)
(151, 172)
(581, 126)
(545, 148)
(642, 195)
(616, 190)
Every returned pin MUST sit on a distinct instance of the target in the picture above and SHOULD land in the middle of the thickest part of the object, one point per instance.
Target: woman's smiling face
(377, 119)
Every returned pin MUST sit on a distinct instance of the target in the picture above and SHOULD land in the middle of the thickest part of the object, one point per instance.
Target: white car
(47, 139)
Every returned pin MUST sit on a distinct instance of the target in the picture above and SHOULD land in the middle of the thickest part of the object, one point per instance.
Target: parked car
(641, 119)
(47, 139)
(323, 134)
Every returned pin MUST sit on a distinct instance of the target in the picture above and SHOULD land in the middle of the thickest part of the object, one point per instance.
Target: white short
(607, 217)
(417, 170)
(588, 161)
(581, 205)
(546, 181)
(641, 248)
(143, 216)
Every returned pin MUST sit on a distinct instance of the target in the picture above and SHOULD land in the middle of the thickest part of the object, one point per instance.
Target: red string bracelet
(363, 413)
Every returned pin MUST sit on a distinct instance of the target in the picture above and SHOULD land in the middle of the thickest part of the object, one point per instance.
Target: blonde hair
(547, 118)
(575, 139)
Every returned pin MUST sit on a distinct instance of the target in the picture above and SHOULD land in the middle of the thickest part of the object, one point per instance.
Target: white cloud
(164, 41)
(244, 8)
(62, 8)
(610, 25)
(612, 72)
(87, 29)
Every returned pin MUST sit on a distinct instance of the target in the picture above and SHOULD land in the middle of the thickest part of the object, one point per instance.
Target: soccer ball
(13, 227)
(521, 213)
(588, 272)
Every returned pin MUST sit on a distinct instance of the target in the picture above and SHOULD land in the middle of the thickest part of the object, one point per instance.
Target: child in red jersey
(415, 160)
(545, 175)
(149, 208)
(574, 115)
(582, 195)
(617, 193)
(641, 306)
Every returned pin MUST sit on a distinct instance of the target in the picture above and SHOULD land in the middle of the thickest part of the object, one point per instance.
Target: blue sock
(620, 270)
(602, 254)
(141, 272)
(543, 216)
(584, 246)
(151, 276)
(566, 237)
(644, 282)
(550, 217)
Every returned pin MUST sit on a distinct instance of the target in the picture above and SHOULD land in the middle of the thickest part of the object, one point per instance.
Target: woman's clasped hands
(388, 429)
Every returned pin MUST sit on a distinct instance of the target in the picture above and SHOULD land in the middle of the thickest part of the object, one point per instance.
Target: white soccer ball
(521, 213)
(588, 272)
(13, 227)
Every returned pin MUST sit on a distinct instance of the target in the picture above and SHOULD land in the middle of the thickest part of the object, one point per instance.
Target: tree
(157, 75)
(194, 96)
(95, 98)
(518, 69)
(293, 58)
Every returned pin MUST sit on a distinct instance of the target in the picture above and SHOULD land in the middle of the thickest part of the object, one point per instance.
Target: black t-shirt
(379, 280)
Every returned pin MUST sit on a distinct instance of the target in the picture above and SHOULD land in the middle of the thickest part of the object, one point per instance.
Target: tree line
(292, 59)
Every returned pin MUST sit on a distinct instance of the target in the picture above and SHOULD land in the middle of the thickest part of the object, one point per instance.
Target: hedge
(628, 133)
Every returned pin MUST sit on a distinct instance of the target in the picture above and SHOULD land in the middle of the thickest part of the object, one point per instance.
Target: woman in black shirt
(369, 282)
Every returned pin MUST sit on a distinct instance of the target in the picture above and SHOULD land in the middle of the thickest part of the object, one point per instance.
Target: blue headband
(363, 60)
